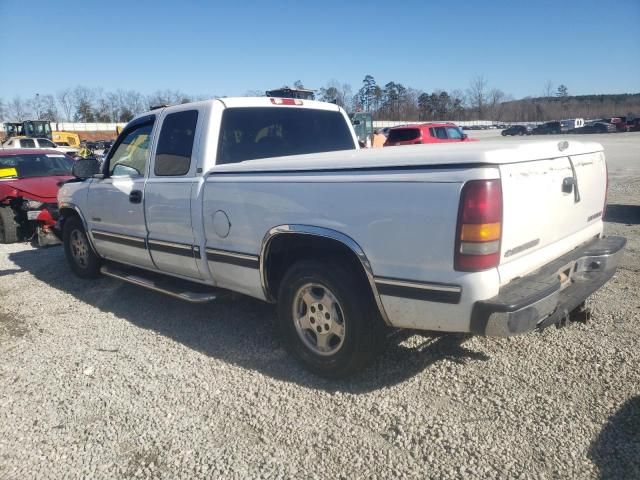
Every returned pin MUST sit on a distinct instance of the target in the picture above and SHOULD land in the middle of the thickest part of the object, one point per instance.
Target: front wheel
(80, 256)
(8, 226)
(327, 318)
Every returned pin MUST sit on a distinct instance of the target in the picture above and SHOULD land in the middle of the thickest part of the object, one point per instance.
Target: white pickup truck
(273, 198)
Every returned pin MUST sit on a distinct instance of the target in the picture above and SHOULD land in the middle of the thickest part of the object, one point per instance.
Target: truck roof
(244, 102)
(473, 153)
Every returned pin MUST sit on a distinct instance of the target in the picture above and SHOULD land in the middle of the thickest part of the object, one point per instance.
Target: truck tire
(8, 226)
(327, 318)
(77, 250)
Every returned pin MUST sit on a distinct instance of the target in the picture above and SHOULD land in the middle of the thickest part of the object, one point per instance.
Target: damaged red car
(29, 183)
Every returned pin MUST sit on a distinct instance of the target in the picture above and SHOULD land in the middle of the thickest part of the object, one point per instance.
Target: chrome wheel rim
(319, 319)
(79, 248)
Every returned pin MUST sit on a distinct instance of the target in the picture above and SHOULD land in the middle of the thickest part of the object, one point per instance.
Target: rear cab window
(403, 134)
(250, 133)
(175, 144)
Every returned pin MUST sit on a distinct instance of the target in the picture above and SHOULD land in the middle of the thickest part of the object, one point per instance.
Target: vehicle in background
(633, 124)
(595, 127)
(571, 123)
(41, 143)
(425, 133)
(66, 139)
(548, 128)
(27, 128)
(29, 181)
(516, 130)
(620, 123)
(362, 123)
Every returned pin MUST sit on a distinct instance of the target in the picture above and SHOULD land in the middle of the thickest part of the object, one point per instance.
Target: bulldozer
(28, 128)
(66, 139)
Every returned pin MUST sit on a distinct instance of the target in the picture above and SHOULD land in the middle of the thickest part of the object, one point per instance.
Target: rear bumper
(541, 299)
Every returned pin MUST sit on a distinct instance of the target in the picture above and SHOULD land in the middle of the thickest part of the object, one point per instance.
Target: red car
(29, 182)
(425, 133)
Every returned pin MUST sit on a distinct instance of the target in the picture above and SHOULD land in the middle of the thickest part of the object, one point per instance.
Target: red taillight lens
(479, 229)
(286, 101)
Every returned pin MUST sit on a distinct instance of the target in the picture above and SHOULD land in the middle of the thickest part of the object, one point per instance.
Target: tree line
(87, 105)
(389, 101)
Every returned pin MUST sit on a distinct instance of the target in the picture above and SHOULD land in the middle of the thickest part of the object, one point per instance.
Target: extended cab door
(170, 192)
(116, 202)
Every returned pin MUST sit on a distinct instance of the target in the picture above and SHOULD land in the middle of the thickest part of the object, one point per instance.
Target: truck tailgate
(549, 207)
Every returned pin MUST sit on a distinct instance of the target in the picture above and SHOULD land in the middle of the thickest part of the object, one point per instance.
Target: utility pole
(37, 105)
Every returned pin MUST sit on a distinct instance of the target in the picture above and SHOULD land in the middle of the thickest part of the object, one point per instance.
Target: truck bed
(476, 153)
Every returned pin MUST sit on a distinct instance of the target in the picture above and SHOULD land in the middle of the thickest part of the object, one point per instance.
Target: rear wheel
(8, 226)
(80, 256)
(327, 318)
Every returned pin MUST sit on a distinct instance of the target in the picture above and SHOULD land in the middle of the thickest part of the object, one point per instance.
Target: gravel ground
(102, 379)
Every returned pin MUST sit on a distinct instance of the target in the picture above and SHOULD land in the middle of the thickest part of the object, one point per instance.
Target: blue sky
(227, 48)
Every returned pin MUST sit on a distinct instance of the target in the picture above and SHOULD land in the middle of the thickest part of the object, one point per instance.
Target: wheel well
(286, 249)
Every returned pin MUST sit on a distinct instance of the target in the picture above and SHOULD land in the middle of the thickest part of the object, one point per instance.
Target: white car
(25, 142)
(273, 198)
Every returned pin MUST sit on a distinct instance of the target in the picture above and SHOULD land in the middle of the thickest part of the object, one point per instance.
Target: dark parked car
(548, 128)
(516, 130)
(595, 127)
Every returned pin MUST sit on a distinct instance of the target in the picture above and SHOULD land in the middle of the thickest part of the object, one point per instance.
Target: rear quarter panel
(405, 222)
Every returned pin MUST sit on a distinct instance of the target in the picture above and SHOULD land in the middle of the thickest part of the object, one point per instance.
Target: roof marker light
(285, 101)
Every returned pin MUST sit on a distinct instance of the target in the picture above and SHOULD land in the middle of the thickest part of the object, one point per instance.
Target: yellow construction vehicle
(66, 139)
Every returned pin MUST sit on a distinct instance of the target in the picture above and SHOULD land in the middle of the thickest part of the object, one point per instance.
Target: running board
(174, 287)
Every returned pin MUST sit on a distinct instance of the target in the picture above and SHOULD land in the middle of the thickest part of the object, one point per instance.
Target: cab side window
(27, 143)
(132, 153)
(175, 144)
(454, 133)
(439, 132)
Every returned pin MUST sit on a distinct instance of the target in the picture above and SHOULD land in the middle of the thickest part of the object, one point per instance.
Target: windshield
(34, 165)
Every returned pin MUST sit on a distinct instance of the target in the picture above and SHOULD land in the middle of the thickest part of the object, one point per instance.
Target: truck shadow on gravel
(239, 332)
(625, 214)
(616, 450)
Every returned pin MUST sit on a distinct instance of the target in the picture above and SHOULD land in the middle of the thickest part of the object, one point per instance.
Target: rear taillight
(479, 229)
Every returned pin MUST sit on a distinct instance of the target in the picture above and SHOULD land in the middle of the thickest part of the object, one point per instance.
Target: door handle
(135, 196)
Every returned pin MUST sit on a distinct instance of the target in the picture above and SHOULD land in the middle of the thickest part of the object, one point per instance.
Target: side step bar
(174, 287)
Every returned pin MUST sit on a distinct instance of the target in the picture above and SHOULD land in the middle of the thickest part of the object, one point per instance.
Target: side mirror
(464, 136)
(356, 122)
(85, 168)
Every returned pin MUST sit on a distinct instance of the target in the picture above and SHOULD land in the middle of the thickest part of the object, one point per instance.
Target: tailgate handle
(567, 185)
